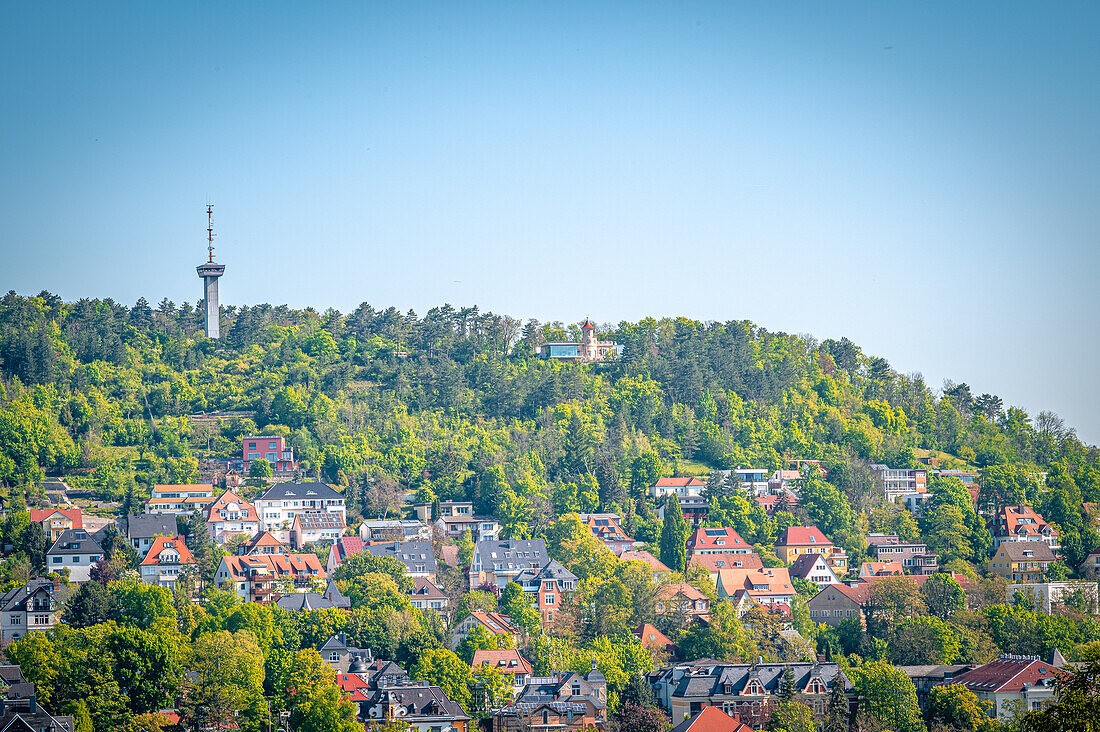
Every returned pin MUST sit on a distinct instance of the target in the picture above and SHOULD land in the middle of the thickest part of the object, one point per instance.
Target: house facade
(898, 482)
(181, 499)
(1022, 524)
(257, 577)
(76, 551)
(561, 701)
(813, 568)
(316, 528)
(496, 563)
(271, 448)
(798, 540)
(683, 487)
(1011, 682)
(142, 529)
(165, 561)
(836, 603)
(280, 503)
(394, 530)
(743, 689)
(913, 556)
(770, 587)
(547, 587)
(34, 606)
(417, 556)
(495, 623)
(1022, 562)
(231, 516)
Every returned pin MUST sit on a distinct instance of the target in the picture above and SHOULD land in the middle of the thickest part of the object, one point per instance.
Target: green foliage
(674, 535)
(887, 697)
(956, 706)
(442, 668)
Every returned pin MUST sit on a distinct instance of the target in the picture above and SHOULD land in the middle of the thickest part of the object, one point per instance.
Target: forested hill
(456, 402)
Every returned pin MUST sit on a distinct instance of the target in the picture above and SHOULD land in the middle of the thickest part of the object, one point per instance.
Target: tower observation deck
(210, 271)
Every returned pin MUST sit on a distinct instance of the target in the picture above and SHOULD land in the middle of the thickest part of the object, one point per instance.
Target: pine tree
(674, 535)
(836, 715)
(786, 685)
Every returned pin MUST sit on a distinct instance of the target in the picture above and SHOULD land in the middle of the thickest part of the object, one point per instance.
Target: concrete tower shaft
(210, 271)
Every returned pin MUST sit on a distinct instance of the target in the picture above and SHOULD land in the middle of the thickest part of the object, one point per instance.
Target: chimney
(56, 584)
(34, 704)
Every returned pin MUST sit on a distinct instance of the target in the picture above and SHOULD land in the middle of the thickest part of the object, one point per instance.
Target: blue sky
(920, 178)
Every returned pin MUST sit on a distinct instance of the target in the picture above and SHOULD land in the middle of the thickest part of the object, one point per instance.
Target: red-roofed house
(495, 623)
(263, 543)
(770, 502)
(231, 516)
(798, 540)
(714, 563)
(1022, 523)
(681, 487)
(712, 719)
(56, 520)
(769, 587)
(1021, 679)
(166, 559)
(256, 577)
(717, 541)
(605, 527)
(316, 528)
(345, 546)
(880, 569)
(508, 661)
(655, 641)
(660, 571)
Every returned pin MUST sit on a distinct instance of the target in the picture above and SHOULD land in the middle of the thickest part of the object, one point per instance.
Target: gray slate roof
(709, 681)
(411, 553)
(512, 554)
(553, 570)
(15, 600)
(291, 490)
(75, 541)
(148, 525)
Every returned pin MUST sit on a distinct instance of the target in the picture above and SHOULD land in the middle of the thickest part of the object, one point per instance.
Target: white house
(77, 552)
(166, 560)
(231, 516)
(282, 502)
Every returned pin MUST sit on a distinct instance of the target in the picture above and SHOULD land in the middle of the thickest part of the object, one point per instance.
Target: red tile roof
(171, 543)
(703, 538)
(653, 638)
(679, 482)
(712, 719)
(38, 515)
(280, 565)
(688, 591)
(803, 536)
(247, 510)
(496, 623)
(641, 555)
(716, 562)
(507, 661)
(1006, 674)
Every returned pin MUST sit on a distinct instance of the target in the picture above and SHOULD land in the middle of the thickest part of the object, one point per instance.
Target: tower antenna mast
(210, 230)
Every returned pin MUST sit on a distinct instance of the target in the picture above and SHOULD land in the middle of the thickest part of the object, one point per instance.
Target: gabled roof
(425, 589)
(802, 536)
(881, 569)
(240, 567)
(679, 482)
(495, 623)
(641, 555)
(410, 553)
(804, 564)
(553, 570)
(1018, 551)
(308, 491)
(246, 510)
(302, 601)
(75, 541)
(712, 719)
(167, 543)
(509, 661)
(724, 538)
(859, 594)
(261, 540)
(688, 591)
(652, 638)
(14, 600)
(348, 546)
(38, 515)
(770, 581)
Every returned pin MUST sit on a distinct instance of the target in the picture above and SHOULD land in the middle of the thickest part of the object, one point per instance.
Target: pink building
(271, 448)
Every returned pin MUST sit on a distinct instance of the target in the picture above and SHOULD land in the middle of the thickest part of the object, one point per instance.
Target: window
(271, 445)
(550, 599)
(334, 656)
(57, 560)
